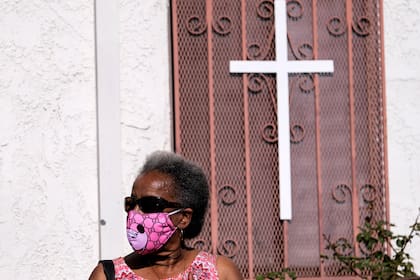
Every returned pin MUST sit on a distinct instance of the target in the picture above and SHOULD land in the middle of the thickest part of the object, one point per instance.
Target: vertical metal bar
(285, 242)
(355, 193)
(385, 131)
(213, 198)
(374, 64)
(283, 78)
(318, 135)
(176, 77)
(111, 213)
(247, 147)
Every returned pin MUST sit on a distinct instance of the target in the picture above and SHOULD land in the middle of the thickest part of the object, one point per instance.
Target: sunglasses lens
(151, 204)
(148, 204)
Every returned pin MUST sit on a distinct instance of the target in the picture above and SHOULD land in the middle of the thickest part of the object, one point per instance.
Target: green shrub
(384, 254)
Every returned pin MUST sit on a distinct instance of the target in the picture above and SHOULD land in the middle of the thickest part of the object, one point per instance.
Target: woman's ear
(186, 218)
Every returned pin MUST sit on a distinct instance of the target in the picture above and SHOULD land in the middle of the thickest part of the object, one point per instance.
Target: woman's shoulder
(98, 273)
(222, 266)
(203, 256)
(227, 269)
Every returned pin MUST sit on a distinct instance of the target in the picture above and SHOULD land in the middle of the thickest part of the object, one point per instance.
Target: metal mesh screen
(228, 123)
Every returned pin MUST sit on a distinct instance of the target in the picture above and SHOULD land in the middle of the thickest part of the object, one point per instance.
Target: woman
(167, 204)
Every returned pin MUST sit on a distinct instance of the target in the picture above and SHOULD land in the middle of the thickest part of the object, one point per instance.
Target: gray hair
(191, 188)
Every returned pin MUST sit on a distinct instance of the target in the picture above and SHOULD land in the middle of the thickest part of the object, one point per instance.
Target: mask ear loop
(181, 231)
(175, 211)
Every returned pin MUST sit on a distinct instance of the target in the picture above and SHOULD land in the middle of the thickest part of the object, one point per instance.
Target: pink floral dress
(202, 268)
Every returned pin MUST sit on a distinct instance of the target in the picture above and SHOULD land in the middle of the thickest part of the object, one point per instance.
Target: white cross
(282, 67)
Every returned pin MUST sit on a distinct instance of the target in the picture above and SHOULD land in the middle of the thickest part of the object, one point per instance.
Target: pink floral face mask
(148, 232)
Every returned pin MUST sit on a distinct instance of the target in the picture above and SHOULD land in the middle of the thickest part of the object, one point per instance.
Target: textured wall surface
(402, 58)
(48, 169)
(145, 89)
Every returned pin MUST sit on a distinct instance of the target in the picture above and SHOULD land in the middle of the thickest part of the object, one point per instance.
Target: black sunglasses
(149, 204)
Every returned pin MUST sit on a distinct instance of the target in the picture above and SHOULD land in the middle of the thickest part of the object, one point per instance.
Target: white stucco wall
(402, 59)
(146, 120)
(145, 86)
(48, 174)
(48, 145)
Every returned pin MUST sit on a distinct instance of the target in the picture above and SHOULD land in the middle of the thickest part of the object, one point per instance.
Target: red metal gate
(227, 123)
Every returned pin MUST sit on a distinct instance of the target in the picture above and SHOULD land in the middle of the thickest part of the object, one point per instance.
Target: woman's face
(154, 184)
(148, 229)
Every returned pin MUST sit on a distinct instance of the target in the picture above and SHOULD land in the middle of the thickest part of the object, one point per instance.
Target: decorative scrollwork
(228, 195)
(306, 83)
(336, 26)
(255, 51)
(340, 192)
(256, 83)
(297, 133)
(200, 244)
(269, 133)
(344, 247)
(294, 9)
(304, 51)
(196, 26)
(228, 248)
(368, 193)
(362, 26)
(223, 25)
(265, 9)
